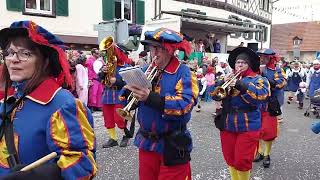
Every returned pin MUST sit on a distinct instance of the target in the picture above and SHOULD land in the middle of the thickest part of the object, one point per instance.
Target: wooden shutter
(62, 7)
(14, 5)
(140, 12)
(108, 9)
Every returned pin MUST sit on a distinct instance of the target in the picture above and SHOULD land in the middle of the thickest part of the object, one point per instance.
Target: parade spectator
(313, 78)
(217, 46)
(95, 87)
(202, 84)
(295, 75)
(81, 78)
(210, 77)
(40, 117)
(200, 46)
(300, 94)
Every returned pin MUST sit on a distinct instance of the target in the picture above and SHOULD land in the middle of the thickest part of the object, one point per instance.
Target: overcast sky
(287, 11)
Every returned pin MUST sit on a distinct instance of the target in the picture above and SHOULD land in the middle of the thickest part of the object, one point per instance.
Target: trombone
(221, 91)
(151, 73)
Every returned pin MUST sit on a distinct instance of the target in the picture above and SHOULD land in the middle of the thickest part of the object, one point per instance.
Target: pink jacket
(210, 79)
(91, 73)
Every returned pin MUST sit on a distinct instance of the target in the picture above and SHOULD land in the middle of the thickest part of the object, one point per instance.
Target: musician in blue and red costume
(163, 113)
(111, 92)
(270, 108)
(40, 117)
(240, 119)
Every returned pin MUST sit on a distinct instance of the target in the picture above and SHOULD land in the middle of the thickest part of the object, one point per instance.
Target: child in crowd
(202, 83)
(210, 77)
(300, 94)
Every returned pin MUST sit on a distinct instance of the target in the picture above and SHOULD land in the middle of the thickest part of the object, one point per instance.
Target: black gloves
(155, 101)
(242, 87)
(49, 171)
(272, 83)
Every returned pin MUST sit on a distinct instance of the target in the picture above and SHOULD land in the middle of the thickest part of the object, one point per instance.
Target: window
(43, 7)
(258, 34)
(123, 9)
(264, 5)
(248, 24)
(236, 34)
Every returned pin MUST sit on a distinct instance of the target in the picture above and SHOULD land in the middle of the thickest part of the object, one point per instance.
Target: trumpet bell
(124, 114)
(219, 92)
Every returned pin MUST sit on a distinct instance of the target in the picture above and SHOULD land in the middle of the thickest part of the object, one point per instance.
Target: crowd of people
(49, 94)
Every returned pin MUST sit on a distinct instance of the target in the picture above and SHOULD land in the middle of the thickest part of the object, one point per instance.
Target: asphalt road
(295, 154)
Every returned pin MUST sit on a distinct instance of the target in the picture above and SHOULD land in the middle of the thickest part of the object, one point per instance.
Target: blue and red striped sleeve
(70, 133)
(185, 95)
(257, 92)
(279, 78)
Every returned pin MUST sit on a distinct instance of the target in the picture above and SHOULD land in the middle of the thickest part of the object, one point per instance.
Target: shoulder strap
(7, 131)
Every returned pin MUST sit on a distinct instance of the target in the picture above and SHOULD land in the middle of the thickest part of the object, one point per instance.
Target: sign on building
(117, 28)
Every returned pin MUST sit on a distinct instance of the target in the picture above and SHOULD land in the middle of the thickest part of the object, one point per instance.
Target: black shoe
(110, 143)
(259, 157)
(266, 161)
(124, 142)
(300, 106)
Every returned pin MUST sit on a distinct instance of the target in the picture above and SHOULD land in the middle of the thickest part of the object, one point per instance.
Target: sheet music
(135, 76)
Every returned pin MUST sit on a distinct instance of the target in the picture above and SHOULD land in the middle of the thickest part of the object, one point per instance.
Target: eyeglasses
(241, 62)
(22, 54)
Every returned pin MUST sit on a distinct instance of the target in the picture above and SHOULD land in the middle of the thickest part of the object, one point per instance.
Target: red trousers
(269, 129)
(151, 168)
(111, 117)
(239, 148)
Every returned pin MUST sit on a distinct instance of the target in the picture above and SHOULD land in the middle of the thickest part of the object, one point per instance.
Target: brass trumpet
(151, 73)
(221, 92)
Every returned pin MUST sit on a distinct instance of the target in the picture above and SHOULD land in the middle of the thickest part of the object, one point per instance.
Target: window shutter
(14, 5)
(62, 7)
(140, 12)
(108, 10)
(265, 34)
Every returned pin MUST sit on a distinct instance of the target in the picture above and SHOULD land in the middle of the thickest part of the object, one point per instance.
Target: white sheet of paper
(135, 76)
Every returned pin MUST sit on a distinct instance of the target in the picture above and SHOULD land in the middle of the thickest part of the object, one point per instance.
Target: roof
(282, 36)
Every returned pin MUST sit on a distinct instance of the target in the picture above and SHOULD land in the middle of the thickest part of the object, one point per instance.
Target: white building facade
(72, 20)
(213, 17)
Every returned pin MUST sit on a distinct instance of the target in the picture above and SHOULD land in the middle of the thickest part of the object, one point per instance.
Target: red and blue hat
(41, 36)
(168, 39)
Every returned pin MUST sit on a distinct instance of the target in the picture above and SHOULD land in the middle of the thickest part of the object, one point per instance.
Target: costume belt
(243, 110)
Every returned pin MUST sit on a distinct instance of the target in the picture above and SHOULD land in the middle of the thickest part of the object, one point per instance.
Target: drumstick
(40, 161)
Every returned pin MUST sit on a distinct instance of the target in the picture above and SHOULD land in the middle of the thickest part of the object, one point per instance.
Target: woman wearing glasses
(40, 117)
(240, 119)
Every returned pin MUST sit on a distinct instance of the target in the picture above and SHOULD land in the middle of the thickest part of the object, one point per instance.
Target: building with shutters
(230, 21)
(71, 20)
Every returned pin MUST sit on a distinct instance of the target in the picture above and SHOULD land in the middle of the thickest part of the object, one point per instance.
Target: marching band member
(271, 108)
(240, 119)
(163, 113)
(41, 117)
(113, 84)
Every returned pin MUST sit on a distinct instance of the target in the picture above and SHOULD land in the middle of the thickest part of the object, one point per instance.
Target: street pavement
(295, 154)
